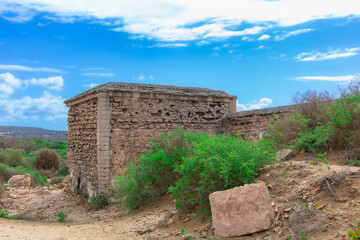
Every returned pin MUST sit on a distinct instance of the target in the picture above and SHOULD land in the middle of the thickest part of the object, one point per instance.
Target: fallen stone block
(20, 181)
(241, 210)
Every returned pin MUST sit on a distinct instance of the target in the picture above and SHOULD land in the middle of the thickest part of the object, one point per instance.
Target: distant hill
(31, 133)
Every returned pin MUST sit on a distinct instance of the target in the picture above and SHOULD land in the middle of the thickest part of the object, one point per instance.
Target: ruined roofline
(263, 111)
(150, 88)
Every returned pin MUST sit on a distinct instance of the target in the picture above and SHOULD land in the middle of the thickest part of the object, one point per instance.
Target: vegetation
(61, 217)
(190, 167)
(99, 201)
(47, 159)
(321, 123)
(32, 157)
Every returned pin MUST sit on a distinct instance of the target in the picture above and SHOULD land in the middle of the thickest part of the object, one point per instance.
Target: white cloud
(29, 69)
(263, 102)
(170, 45)
(47, 106)
(53, 83)
(151, 77)
(173, 20)
(264, 37)
(293, 33)
(8, 83)
(347, 78)
(90, 85)
(332, 54)
(99, 74)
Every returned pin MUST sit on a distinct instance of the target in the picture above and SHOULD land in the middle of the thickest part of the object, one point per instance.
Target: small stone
(186, 220)
(12, 196)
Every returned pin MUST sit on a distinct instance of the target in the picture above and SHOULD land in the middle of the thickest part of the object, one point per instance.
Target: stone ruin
(109, 125)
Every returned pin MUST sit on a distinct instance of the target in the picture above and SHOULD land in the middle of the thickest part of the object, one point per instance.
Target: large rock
(284, 154)
(241, 210)
(20, 181)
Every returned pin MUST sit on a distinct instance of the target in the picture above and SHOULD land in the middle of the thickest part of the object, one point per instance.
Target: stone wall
(82, 145)
(124, 116)
(137, 117)
(109, 125)
(252, 124)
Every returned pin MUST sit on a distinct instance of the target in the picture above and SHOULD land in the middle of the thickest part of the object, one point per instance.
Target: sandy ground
(297, 188)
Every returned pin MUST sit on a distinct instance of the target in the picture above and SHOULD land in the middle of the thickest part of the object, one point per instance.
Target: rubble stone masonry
(109, 125)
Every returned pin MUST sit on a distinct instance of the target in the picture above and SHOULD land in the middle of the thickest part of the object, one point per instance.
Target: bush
(320, 126)
(192, 166)
(217, 163)
(57, 179)
(47, 159)
(15, 157)
(153, 172)
(99, 201)
(6, 172)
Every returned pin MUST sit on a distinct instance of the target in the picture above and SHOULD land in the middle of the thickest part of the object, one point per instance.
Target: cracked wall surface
(121, 117)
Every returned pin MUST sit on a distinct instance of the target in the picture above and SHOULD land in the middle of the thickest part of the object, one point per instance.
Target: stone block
(20, 181)
(241, 210)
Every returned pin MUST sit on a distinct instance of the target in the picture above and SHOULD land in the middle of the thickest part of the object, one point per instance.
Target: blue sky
(261, 51)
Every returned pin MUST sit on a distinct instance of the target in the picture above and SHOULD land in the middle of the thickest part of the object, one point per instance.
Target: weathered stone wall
(109, 126)
(137, 117)
(252, 124)
(82, 146)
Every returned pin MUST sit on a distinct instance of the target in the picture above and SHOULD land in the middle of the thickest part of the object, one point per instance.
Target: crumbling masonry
(109, 125)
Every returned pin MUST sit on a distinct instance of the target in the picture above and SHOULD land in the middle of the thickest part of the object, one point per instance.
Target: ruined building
(109, 125)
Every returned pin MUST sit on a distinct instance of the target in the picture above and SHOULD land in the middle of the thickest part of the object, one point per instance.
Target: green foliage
(4, 213)
(190, 167)
(57, 179)
(153, 172)
(99, 201)
(355, 162)
(314, 140)
(15, 157)
(61, 217)
(303, 235)
(217, 163)
(47, 159)
(6, 172)
(355, 234)
(320, 126)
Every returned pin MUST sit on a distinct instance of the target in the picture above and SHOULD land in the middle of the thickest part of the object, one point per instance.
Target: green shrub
(153, 172)
(6, 172)
(99, 201)
(315, 140)
(47, 159)
(57, 179)
(217, 163)
(192, 166)
(321, 126)
(15, 157)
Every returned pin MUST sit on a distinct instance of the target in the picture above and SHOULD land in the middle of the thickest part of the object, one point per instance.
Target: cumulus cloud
(47, 106)
(347, 78)
(171, 20)
(53, 83)
(332, 54)
(99, 74)
(90, 85)
(264, 37)
(293, 33)
(29, 69)
(263, 102)
(8, 83)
